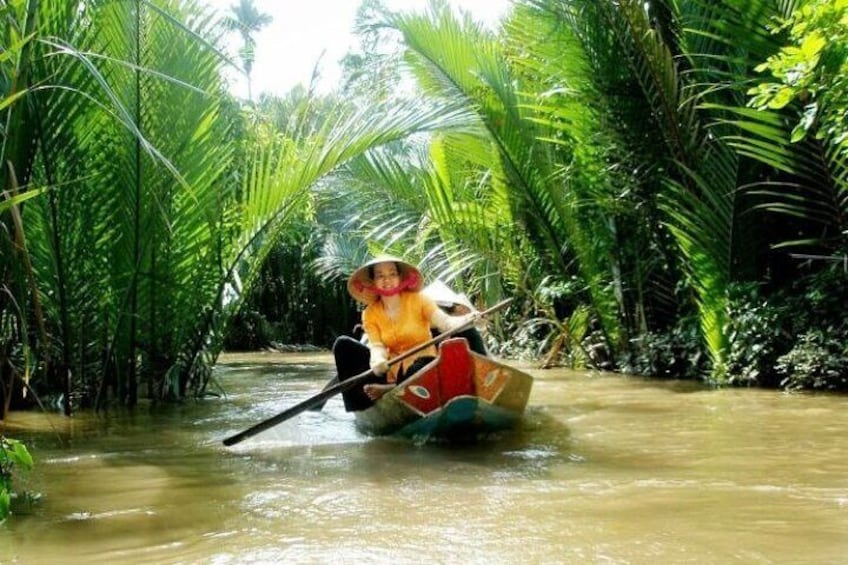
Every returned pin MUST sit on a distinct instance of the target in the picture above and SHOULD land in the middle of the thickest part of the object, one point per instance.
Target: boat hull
(460, 394)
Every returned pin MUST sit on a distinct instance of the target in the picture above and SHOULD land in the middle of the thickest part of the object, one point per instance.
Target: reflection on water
(603, 469)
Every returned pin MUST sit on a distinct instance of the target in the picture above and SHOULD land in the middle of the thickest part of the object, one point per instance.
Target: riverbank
(267, 357)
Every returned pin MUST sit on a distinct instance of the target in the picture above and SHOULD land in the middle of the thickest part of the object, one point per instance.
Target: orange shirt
(410, 328)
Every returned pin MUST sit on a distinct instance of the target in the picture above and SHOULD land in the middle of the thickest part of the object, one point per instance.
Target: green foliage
(759, 333)
(249, 330)
(793, 338)
(246, 19)
(676, 353)
(492, 206)
(817, 361)
(812, 71)
(151, 233)
(606, 144)
(697, 193)
(14, 460)
(818, 358)
(596, 158)
(799, 129)
(555, 328)
(21, 320)
(126, 248)
(290, 303)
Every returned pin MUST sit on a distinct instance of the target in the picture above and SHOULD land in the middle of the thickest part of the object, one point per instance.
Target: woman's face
(386, 276)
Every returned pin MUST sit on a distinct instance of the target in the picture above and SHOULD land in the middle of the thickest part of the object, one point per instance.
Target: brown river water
(604, 469)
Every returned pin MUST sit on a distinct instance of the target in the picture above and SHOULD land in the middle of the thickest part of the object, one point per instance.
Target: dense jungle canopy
(661, 184)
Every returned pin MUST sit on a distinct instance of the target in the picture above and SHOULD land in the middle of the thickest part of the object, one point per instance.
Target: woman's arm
(445, 322)
(378, 359)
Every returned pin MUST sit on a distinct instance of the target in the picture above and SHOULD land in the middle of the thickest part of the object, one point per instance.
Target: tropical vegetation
(247, 20)
(661, 184)
(14, 460)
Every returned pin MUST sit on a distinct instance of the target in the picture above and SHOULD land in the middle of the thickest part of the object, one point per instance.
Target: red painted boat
(460, 394)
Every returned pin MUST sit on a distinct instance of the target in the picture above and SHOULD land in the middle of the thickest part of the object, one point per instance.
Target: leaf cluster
(14, 459)
(792, 338)
(812, 70)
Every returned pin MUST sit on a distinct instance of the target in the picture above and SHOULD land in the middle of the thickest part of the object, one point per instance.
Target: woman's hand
(473, 319)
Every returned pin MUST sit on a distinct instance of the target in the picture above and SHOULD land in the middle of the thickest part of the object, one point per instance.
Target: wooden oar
(356, 380)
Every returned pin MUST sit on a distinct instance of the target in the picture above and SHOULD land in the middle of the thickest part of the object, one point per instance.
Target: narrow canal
(604, 469)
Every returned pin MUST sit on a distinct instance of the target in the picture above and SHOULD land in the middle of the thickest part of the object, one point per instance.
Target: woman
(397, 318)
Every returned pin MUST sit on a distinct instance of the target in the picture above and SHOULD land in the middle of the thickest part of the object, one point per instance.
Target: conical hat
(360, 285)
(444, 296)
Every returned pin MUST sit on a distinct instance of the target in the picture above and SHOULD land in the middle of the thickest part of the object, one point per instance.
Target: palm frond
(456, 59)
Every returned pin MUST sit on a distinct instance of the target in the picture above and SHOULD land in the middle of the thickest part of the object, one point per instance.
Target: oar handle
(355, 380)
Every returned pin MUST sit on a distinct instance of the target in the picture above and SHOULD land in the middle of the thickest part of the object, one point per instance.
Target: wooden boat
(459, 395)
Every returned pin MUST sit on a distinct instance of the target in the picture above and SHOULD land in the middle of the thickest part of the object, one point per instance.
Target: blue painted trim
(463, 415)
